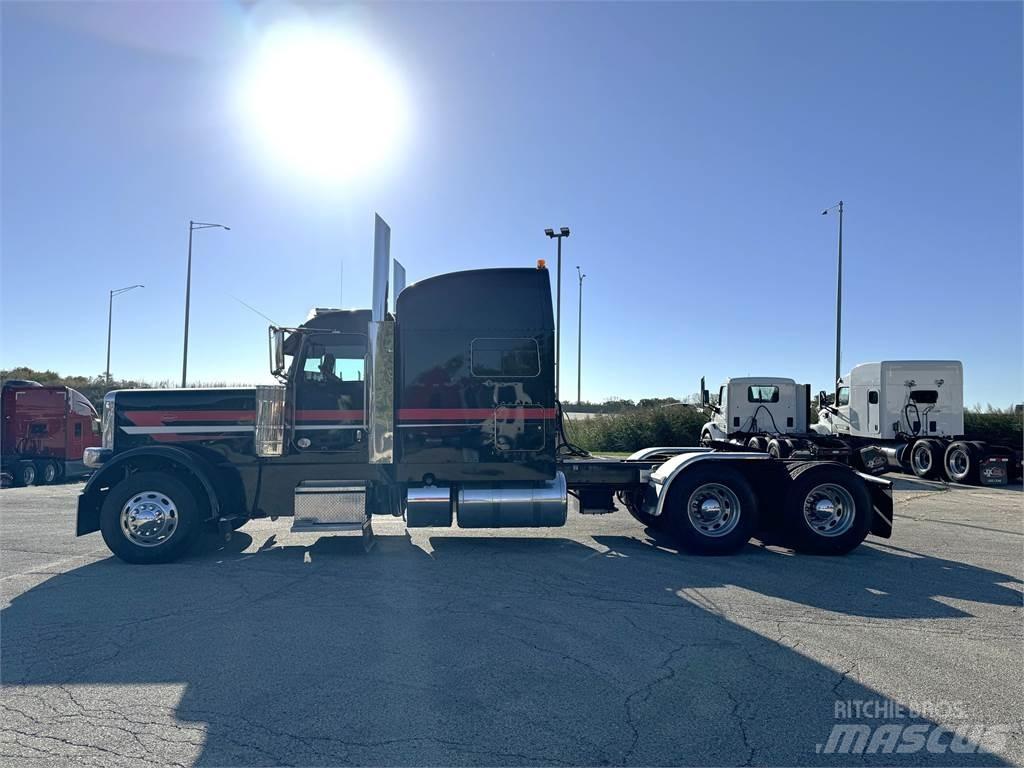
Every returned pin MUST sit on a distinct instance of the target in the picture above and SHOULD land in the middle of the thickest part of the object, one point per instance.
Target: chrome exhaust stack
(380, 370)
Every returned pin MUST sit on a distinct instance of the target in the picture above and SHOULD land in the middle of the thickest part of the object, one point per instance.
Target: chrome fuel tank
(539, 505)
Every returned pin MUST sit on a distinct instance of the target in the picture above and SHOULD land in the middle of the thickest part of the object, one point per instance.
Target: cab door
(872, 410)
(329, 402)
(843, 409)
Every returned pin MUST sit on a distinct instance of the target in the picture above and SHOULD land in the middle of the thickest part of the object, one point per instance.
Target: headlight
(108, 421)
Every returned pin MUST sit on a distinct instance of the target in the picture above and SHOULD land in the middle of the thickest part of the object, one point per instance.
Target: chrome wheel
(713, 509)
(829, 510)
(921, 458)
(49, 472)
(958, 462)
(149, 519)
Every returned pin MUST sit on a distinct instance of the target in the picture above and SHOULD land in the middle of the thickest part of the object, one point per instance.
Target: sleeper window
(508, 358)
(762, 394)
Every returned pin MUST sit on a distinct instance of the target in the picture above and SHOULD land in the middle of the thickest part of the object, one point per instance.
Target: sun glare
(324, 103)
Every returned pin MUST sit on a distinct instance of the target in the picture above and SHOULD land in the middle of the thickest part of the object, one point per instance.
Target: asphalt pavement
(593, 644)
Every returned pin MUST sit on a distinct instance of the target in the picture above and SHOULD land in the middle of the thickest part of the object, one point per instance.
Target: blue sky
(690, 147)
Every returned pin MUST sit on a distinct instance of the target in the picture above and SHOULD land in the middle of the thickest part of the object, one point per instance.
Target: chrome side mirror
(276, 351)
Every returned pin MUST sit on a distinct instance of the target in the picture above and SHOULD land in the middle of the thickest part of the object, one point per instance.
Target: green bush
(638, 428)
(647, 427)
(999, 427)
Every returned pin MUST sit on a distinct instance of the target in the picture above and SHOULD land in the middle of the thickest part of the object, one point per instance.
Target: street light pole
(579, 342)
(839, 288)
(192, 227)
(562, 232)
(110, 316)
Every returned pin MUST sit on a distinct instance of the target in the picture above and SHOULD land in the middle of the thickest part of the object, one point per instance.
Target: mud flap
(881, 502)
(88, 518)
(873, 460)
(994, 470)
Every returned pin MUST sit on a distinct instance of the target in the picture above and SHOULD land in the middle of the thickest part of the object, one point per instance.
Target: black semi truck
(442, 411)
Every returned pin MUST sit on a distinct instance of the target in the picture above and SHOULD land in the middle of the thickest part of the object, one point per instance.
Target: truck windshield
(762, 394)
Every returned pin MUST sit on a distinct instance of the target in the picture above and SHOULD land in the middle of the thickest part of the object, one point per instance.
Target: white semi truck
(897, 414)
(913, 411)
(769, 414)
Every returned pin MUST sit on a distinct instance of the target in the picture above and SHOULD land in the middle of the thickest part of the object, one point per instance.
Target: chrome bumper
(96, 457)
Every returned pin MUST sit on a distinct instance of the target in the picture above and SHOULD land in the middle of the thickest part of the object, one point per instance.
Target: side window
(762, 394)
(505, 358)
(844, 396)
(330, 363)
(80, 405)
(78, 429)
(873, 397)
(721, 395)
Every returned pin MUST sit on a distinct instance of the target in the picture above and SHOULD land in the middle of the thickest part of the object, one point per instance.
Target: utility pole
(562, 232)
(110, 317)
(192, 227)
(579, 342)
(839, 290)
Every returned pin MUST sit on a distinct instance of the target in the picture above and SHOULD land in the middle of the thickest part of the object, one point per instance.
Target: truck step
(322, 503)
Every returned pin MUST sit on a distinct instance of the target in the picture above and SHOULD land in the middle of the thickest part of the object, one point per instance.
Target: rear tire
(778, 448)
(48, 473)
(756, 444)
(635, 507)
(152, 517)
(926, 459)
(961, 462)
(827, 510)
(711, 510)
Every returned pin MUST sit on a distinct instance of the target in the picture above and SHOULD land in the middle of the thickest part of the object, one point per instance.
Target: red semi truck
(45, 432)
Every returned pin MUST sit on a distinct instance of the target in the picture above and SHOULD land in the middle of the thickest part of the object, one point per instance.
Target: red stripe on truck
(466, 414)
(170, 418)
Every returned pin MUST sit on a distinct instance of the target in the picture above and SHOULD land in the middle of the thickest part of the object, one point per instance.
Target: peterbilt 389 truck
(442, 412)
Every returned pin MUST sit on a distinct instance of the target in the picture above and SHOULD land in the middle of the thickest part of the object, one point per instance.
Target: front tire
(25, 474)
(827, 510)
(711, 510)
(152, 517)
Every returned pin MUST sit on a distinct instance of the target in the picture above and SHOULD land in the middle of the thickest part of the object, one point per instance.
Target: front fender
(714, 430)
(90, 501)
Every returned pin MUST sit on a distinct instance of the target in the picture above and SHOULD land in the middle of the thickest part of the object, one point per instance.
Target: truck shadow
(461, 649)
